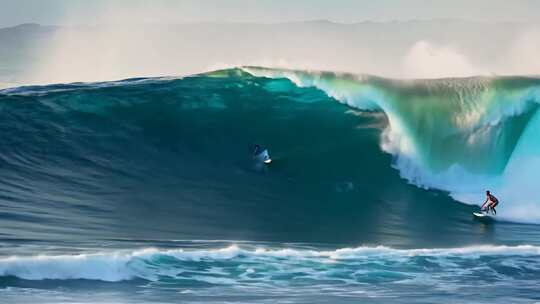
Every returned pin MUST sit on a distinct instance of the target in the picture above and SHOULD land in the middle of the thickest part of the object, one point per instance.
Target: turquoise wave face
(173, 158)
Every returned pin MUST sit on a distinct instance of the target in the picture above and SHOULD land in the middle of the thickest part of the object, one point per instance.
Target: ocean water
(145, 191)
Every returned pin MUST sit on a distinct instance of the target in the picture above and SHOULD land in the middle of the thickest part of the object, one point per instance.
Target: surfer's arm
(484, 204)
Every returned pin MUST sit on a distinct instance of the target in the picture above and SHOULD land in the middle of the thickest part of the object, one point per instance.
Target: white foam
(121, 265)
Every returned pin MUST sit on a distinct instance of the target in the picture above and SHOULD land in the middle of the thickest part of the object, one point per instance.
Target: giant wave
(170, 157)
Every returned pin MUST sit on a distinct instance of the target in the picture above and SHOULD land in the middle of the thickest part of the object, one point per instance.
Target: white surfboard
(482, 215)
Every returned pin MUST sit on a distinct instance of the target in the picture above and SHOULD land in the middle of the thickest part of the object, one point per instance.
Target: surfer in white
(491, 202)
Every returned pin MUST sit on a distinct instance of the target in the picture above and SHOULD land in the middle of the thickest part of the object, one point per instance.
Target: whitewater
(154, 265)
(144, 190)
(233, 273)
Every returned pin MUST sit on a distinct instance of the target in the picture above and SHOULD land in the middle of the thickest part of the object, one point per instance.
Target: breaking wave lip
(461, 135)
(151, 263)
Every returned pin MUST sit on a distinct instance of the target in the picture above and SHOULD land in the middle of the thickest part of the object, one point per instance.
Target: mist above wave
(427, 49)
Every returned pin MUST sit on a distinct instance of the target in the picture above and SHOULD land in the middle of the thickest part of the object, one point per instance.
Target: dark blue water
(145, 190)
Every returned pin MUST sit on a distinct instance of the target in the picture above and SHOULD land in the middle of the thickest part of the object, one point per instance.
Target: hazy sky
(61, 12)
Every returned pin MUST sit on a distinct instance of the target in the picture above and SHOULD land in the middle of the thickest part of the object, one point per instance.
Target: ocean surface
(145, 190)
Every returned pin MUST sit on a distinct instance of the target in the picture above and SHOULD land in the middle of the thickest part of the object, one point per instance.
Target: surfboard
(482, 215)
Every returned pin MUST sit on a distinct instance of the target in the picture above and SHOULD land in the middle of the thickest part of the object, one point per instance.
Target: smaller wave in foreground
(236, 265)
